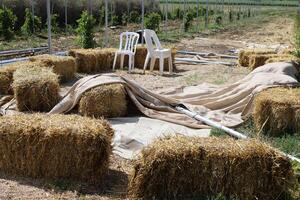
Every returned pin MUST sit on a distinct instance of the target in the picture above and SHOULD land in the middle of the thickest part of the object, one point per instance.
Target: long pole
(198, 18)
(49, 26)
(106, 23)
(66, 14)
(214, 124)
(206, 16)
(32, 14)
(143, 25)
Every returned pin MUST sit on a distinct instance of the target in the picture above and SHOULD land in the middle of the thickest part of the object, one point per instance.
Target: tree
(31, 24)
(85, 30)
(7, 23)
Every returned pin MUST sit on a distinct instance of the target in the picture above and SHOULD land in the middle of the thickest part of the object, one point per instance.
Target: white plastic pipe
(217, 125)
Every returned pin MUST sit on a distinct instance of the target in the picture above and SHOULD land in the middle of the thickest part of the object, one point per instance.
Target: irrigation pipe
(189, 60)
(229, 131)
(206, 54)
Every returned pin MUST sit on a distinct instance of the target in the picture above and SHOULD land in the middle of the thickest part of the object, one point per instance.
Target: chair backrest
(152, 41)
(131, 40)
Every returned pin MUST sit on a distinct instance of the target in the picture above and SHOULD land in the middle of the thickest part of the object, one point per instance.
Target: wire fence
(111, 14)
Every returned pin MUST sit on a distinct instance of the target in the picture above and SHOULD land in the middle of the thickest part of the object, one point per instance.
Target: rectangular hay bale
(64, 66)
(277, 111)
(55, 146)
(182, 167)
(6, 76)
(35, 89)
(245, 55)
(107, 101)
(140, 57)
(93, 60)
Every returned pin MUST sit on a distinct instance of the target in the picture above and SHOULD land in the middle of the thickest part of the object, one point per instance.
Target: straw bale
(104, 101)
(35, 89)
(55, 146)
(277, 111)
(257, 60)
(140, 57)
(93, 60)
(64, 66)
(245, 55)
(282, 58)
(6, 76)
(193, 168)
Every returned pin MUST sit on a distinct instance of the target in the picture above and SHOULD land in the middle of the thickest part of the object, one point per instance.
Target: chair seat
(162, 53)
(125, 52)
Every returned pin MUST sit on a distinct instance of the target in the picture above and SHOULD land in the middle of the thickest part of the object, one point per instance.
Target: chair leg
(122, 61)
(161, 66)
(133, 62)
(115, 61)
(146, 62)
(129, 63)
(152, 63)
(170, 65)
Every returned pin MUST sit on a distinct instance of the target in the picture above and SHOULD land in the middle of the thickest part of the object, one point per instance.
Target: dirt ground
(276, 34)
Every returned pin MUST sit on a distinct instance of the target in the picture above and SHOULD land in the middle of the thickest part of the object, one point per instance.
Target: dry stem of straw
(64, 66)
(181, 167)
(245, 55)
(55, 146)
(93, 60)
(35, 89)
(281, 106)
(104, 101)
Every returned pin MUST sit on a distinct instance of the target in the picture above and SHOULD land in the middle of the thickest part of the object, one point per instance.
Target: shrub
(179, 13)
(31, 24)
(219, 20)
(85, 30)
(125, 19)
(54, 23)
(188, 18)
(152, 21)
(134, 17)
(297, 35)
(116, 20)
(230, 16)
(7, 23)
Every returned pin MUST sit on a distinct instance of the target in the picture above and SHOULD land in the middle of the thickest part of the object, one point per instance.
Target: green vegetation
(85, 30)
(31, 24)
(188, 18)
(7, 23)
(152, 21)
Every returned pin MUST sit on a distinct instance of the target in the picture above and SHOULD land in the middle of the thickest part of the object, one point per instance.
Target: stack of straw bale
(194, 168)
(6, 76)
(245, 55)
(93, 60)
(254, 58)
(140, 57)
(64, 66)
(104, 101)
(35, 89)
(277, 111)
(55, 146)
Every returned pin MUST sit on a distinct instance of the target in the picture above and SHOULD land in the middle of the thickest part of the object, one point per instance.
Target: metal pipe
(143, 25)
(49, 26)
(106, 23)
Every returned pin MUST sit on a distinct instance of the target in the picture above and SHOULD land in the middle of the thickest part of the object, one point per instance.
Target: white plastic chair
(155, 51)
(127, 48)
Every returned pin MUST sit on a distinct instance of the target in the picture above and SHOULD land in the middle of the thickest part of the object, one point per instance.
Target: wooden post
(206, 16)
(66, 14)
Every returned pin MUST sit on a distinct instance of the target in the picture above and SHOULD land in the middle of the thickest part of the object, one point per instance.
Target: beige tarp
(229, 105)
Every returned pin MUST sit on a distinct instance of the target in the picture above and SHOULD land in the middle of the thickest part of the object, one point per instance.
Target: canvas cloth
(230, 105)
